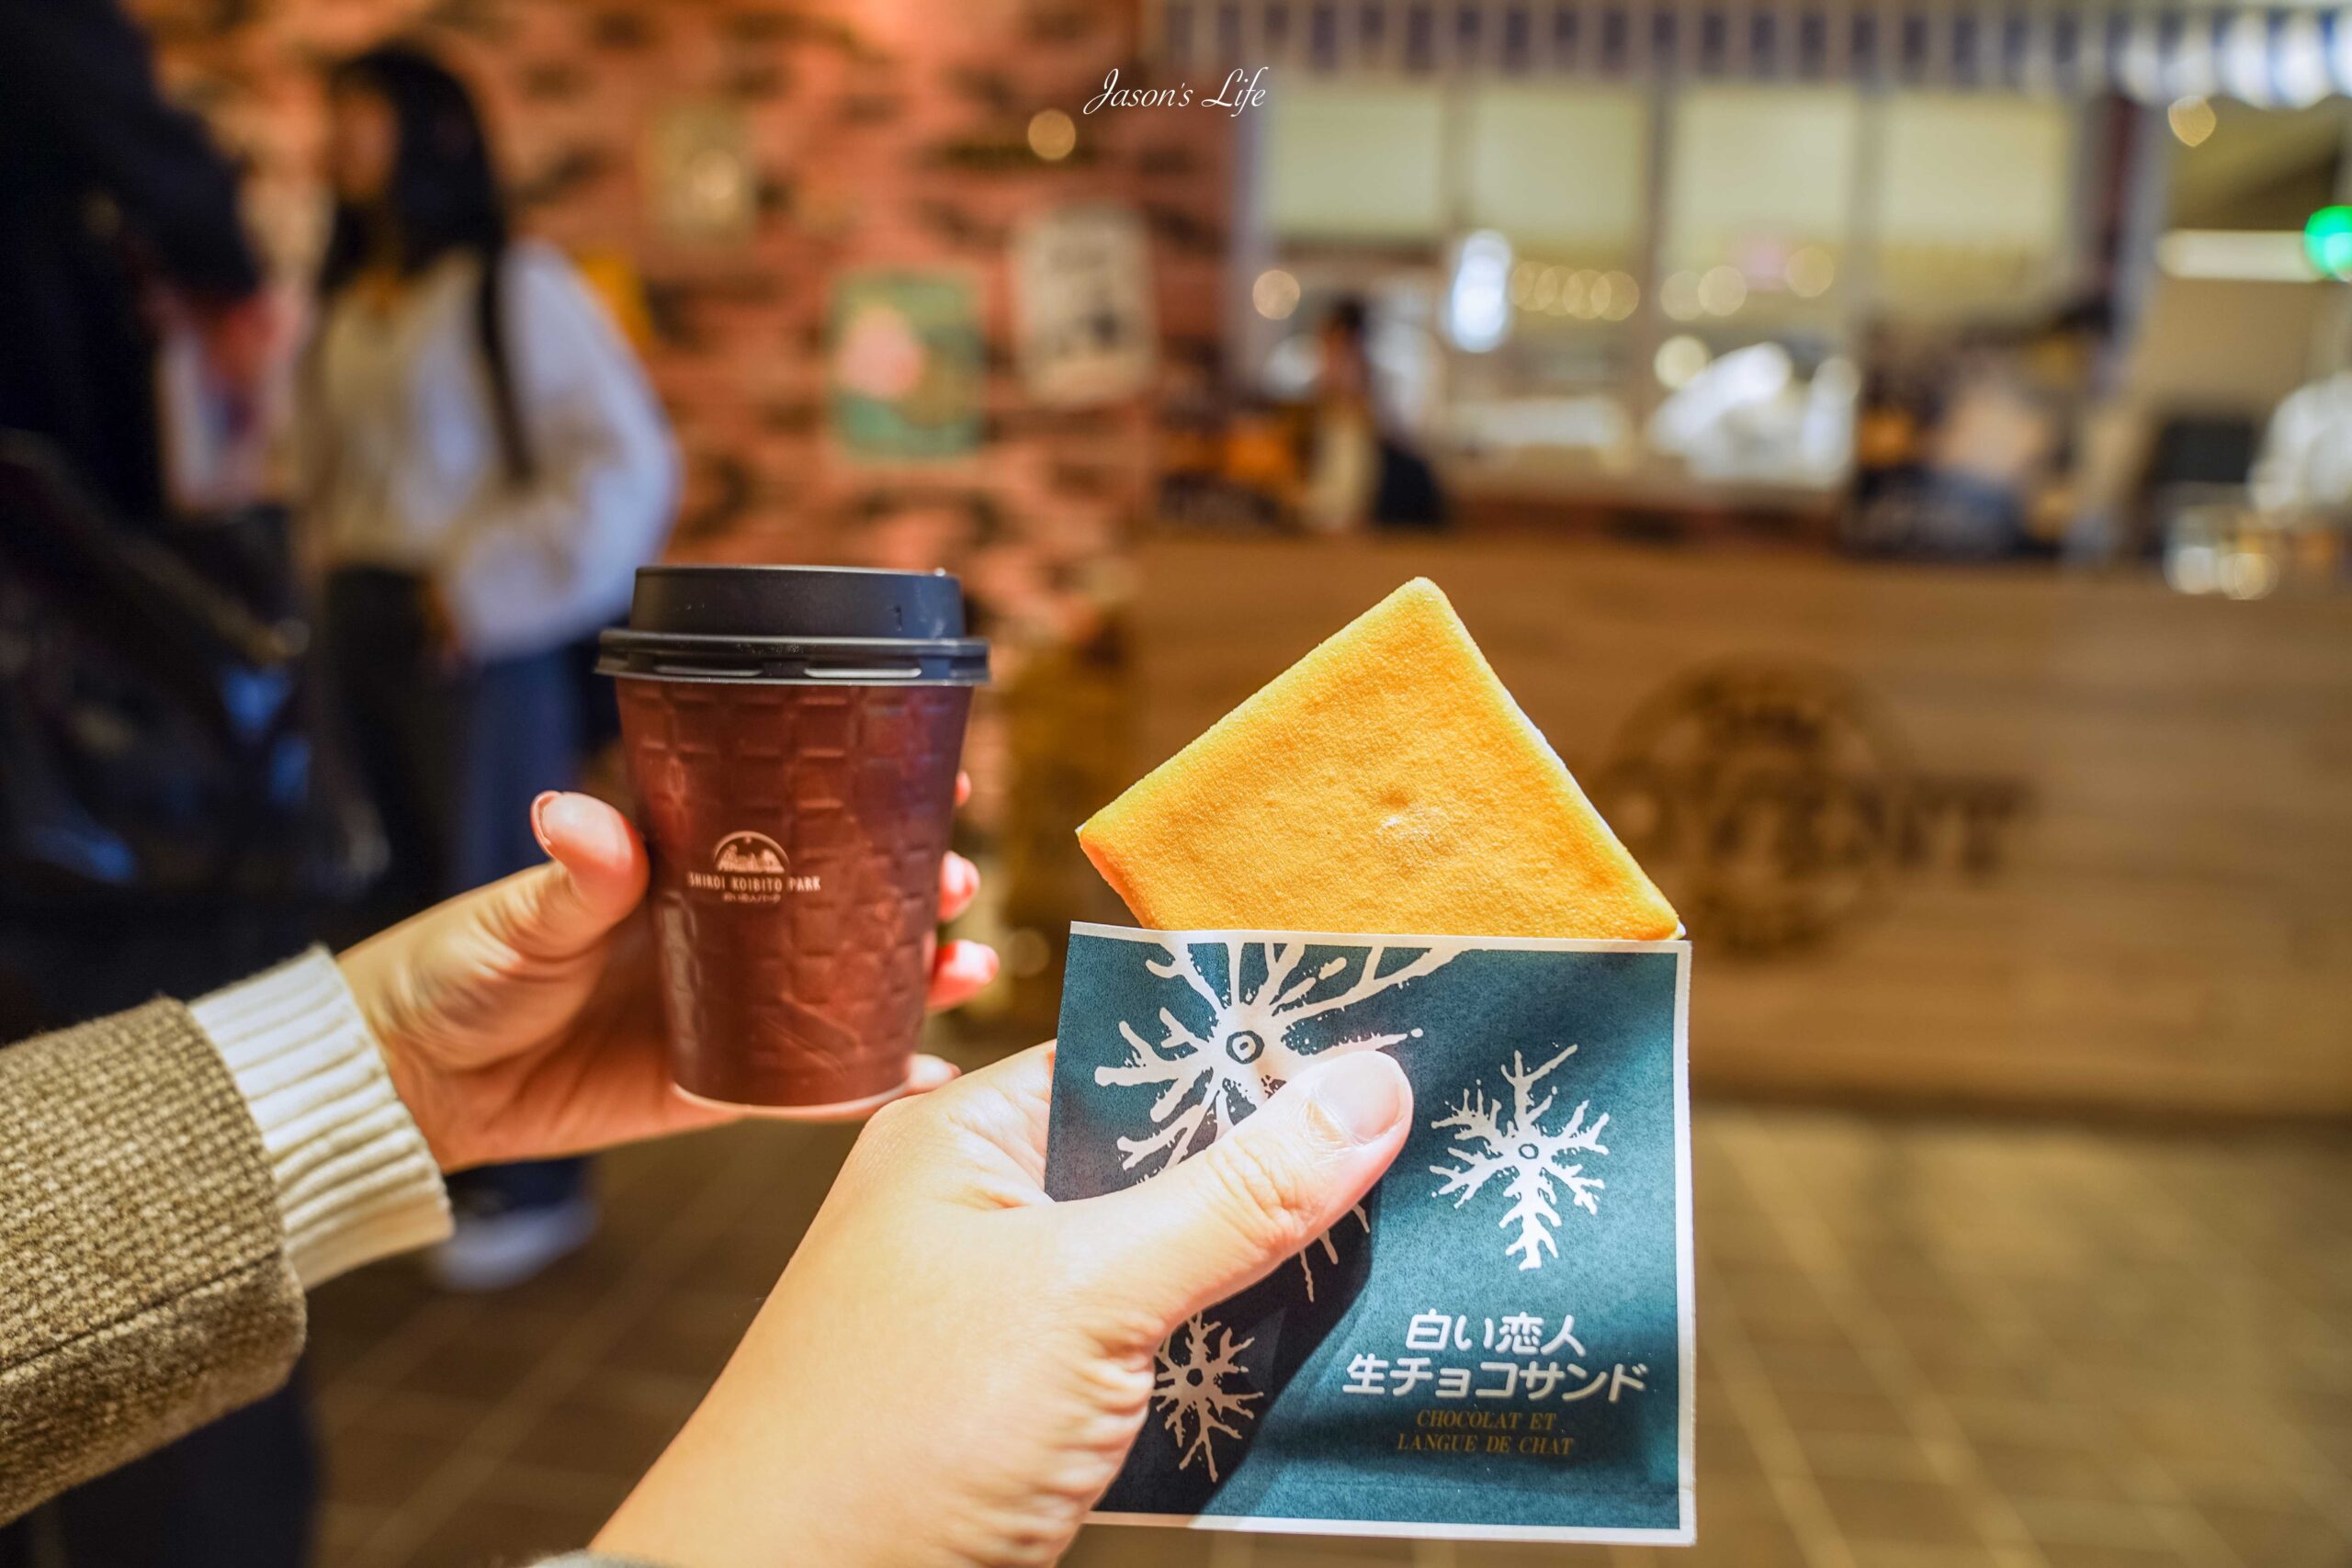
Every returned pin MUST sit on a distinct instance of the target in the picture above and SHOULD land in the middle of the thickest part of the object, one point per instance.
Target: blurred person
(116, 213)
(2305, 462)
(484, 468)
(1995, 474)
(128, 284)
(523, 1018)
(1746, 415)
(1357, 470)
(1889, 414)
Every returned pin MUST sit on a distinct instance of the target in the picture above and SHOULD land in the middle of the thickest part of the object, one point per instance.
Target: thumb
(1223, 1218)
(556, 912)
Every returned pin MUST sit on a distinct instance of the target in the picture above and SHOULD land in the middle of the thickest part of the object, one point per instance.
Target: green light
(2327, 239)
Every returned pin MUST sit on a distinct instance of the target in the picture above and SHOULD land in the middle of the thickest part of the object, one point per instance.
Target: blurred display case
(2218, 542)
(1640, 288)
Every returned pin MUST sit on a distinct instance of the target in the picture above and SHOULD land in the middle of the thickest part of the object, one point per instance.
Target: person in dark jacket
(111, 200)
(114, 208)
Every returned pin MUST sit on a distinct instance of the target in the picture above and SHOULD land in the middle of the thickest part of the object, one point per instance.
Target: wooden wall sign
(1992, 835)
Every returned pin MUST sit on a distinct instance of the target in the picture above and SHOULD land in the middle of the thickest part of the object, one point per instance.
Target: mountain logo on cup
(751, 868)
(752, 854)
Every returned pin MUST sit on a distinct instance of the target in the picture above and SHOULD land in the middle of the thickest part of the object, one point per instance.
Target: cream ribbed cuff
(356, 1181)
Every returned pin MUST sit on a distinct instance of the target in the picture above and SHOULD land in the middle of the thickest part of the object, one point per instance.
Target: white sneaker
(495, 1250)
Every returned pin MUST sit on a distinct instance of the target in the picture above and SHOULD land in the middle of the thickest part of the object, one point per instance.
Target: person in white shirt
(1360, 471)
(2305, 464)
(484, 469)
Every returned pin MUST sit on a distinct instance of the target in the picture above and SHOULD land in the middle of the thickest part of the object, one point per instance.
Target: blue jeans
(453, 760)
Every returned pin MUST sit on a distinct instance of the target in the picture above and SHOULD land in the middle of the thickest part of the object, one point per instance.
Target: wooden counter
(1996, 835)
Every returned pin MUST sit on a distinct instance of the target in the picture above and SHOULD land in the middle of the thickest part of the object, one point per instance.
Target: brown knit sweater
(144, 1285)
(167, 1178)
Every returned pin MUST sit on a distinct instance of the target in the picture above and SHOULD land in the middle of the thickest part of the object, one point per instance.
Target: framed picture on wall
(905, 365)
(701, 182)
(1082, 308)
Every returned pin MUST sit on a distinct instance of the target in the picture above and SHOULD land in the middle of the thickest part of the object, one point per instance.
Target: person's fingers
(959, 882)
(1010, 1103)
(930, 1073)
(556, 912)
(962, 786)
(963, 970)
(981, 1142)
(593, 840)
(1222, 1219)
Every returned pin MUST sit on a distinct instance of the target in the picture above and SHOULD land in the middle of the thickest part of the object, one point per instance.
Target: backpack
(161, 736)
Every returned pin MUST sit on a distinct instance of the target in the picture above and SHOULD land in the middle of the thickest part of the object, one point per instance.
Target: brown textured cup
(798, 804)
(797, 833)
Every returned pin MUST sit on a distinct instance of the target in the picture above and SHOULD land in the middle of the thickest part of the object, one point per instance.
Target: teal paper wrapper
(1500, 1347)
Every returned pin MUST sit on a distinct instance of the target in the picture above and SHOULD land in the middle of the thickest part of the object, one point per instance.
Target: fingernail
(539, 818)
(1361, 1094)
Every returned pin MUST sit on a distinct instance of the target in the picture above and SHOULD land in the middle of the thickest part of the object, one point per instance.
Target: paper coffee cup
(793, 734)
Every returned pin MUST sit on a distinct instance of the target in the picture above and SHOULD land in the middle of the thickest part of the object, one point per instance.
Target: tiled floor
(1921, 1343)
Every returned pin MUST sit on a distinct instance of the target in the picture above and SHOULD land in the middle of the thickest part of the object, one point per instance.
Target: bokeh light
(1577, 294)
(1810, 271)
(1679, 359)
(1275, 294)
(2248, 574)
(2192, 119)
(1722, 291)
(1052, 135)
(2327, 239)
(1679, 297)
(1477, 305)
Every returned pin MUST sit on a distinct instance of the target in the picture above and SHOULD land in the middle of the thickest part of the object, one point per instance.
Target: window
(1784, 221)
(1760, 169)
(1562, 178)
(1975, 201)
(1362, 163)
(1564, 171)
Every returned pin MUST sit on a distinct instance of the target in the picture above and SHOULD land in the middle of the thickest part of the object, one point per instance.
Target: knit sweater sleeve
(171, 1180)
(145, 1286)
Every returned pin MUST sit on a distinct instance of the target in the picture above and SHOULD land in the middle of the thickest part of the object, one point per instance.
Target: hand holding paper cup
(793, 734)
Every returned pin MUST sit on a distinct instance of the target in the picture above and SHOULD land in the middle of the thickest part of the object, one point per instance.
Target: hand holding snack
(1379, 851)
(952, 1368)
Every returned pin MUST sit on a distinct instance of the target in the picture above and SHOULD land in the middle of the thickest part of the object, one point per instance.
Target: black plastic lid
(802, 625)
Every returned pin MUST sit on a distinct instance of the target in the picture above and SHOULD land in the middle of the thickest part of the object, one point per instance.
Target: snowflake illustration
(1193, 1390)
(1247, 1052)
(1485, 1147)
(1212, 1081)
(1330, 1248)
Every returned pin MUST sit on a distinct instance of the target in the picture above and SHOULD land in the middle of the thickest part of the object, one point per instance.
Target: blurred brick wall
(885, 132)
